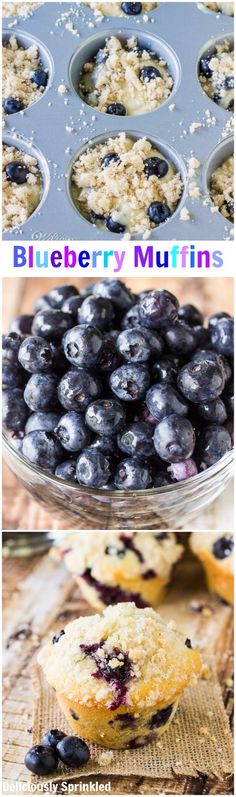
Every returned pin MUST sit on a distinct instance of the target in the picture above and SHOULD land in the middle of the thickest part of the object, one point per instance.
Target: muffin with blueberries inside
(119, 676)
(216, 553)
(126, 566)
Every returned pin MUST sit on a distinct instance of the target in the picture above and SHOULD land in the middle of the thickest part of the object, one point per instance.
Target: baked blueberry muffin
(216, 553)
(119, 676)
(128, 566)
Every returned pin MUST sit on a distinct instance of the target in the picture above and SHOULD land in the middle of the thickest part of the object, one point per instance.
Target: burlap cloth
(198, 739)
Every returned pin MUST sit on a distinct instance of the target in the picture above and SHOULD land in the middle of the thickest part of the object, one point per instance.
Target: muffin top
(118, 555)
(214, 544)
(125, 656)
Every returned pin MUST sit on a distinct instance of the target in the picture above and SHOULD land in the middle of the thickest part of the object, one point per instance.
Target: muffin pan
(61, 124)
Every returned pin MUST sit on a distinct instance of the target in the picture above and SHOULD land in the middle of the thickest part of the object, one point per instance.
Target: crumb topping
(219, 85)
(18, 66)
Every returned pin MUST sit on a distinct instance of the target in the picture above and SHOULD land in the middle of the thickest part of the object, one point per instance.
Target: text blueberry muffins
(216, 553)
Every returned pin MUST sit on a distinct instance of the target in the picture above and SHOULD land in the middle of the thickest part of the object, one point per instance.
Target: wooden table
(37, 597)
(20, 511)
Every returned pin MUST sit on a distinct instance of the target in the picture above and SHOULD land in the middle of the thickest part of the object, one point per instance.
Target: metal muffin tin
(58, 126)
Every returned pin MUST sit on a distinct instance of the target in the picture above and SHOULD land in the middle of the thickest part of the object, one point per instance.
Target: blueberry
(133, 346)
(222, 336)
(163, 400)
(180, 338)
(22, 324)
(131, 9)
(161, 717)
(132, 475)
(77, 389)
(105, 416)
(58, 636)
(202, 337)
(82, 345)
(116, 291)
(114, 226)
(111, 157)
(10, 347)
(101, 56)
(12, 105)
(229, 82)
(42, 449)
(12, 375)
(131, 318)
(158, 212)
(214, 442)
(97, 311)
(223, 547)
(73, 751)
(14, 409)
(213, 411)
(231, 106)
(157, 308)
(51, 324)
(46, 421)
(17, 172)
(72, 432)
(40, 77)
(41, 392)
(36, 354)
(130, 382)
(136, 440)
(229, 398)
(205, 69)
(72, 305)
(60, 293)
(109, 357)
(116, 109)
(94, 217)
(179, 471)
(67, 470)
(41, 759)
(174, 439)
(201, 380)
(213, 320)
(93, 468)
(42, 303)
(148, 73)
(166, 369)
(190, 315)
(106, 444)
(53, 737)
(157, 166)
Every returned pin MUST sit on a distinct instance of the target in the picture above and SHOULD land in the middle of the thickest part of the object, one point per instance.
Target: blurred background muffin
(216, 553)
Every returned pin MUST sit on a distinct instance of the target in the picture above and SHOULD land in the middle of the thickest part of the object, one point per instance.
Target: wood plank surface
(37, 598)
(20, 510)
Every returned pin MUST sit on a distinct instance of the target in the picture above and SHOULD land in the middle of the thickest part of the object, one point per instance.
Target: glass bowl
(86, 508)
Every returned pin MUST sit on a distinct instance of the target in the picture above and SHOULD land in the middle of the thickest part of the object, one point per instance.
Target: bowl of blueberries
(118, 407)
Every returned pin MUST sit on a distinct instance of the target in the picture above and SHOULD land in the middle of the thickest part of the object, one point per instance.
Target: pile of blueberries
(108, 389)
(42, 759)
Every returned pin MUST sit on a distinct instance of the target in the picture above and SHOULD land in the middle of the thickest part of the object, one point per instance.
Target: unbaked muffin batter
(117, 9)
(18, 9)
(24, 79)
(125, 79)
(222, 188)
(217, 76)
(125, 185)
(22, 186)
(224, 8)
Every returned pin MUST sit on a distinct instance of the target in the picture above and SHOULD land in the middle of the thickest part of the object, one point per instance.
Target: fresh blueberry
(201, 380)
(77, 389)
(116, 109)
(73, 751)
(17, 172)
(14, 409)
(190, 315)
(106, 444)
(97, 311)
(213, 320)
(166, 369)
(51, 324)
(111, 157)
(136, 440)
(72, 305)
(105, 416)
(131, 318)
(36, 354)
(222, 336)
(131, 9)
(133, 345)
(214, 442)
(101, 56)
(53, 737)
(130, 382)
(72, 432)
(148, 73)
(46, 421)
(180, 338)
(163, 400)
(60, 293)
(93, 468)
(40, 78)
(157, 308)
(132, 474)
(202, 336)
(157, 166)
(229, 398)
(67, 471)
(58, 636)
(174, 439)
(116, 291)
(114, 226)
(40, 393)
(82, 345)
(22, 324)
(10, 347)
(205, 69)
(229, 82)
(223, 547)
(213, 411)
(42, 303)
(158, 212)
(109, 358)
(42, 449)
(41, 759)
(179, 471)
(12, 375)
(11, 105)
